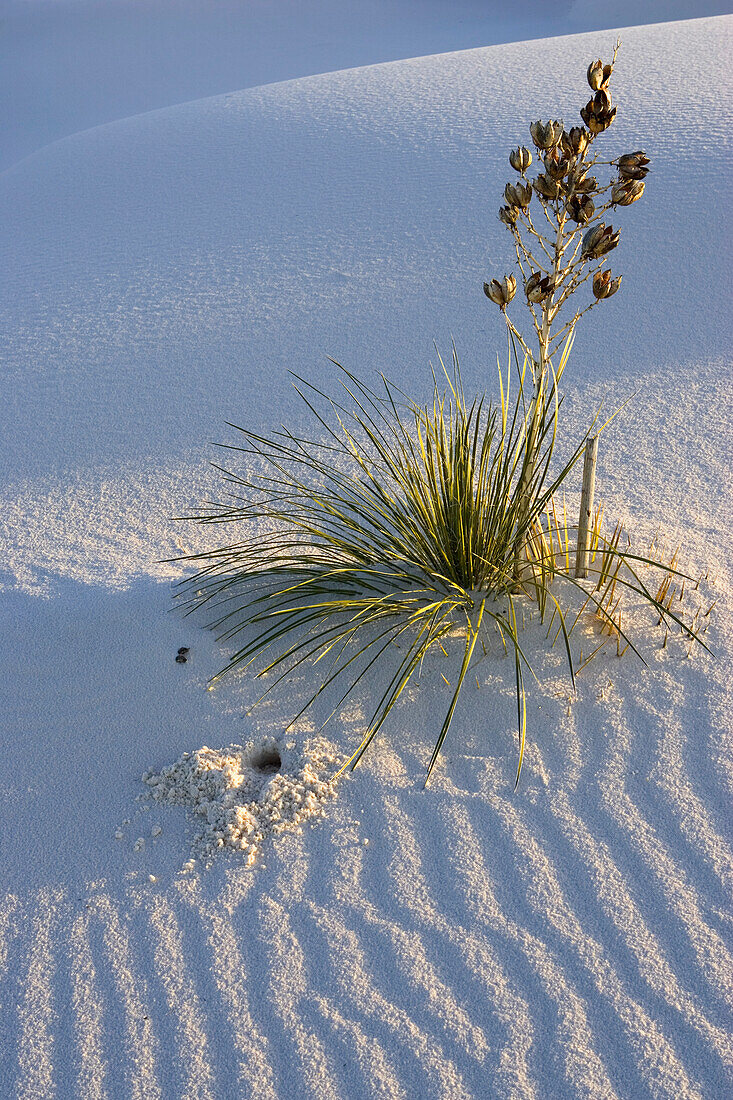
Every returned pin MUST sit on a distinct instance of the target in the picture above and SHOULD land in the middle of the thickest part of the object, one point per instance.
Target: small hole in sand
(266, 760)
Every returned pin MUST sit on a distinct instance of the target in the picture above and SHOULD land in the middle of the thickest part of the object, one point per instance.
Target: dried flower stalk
(562, 240)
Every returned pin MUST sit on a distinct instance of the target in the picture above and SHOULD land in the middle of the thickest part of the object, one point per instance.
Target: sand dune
(572, 939)
(506, 953)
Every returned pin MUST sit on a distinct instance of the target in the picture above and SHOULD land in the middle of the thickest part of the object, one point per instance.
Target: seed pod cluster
(569, 194)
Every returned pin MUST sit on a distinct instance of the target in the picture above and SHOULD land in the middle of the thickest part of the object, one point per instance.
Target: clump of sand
(244, 793)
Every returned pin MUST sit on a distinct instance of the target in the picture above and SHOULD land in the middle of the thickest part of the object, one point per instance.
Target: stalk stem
(586, 507)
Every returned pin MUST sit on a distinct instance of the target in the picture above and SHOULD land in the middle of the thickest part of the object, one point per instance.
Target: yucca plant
(394, 524)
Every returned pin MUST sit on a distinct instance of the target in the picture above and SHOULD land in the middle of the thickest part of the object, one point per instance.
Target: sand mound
(245, 793)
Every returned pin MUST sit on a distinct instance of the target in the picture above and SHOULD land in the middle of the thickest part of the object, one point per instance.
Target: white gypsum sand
(569, 940)
(246, 794)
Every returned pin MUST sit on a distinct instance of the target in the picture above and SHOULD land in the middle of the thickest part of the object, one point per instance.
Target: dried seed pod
(524, 194)
(604, 286)
(599, 74)
(545, 187)
(598, 241)
(538, 287)
(580, 209)
(626, 192)
(637, 158)
(632, 173)
(614, 285)
(555, 166)
(546, 135)
(591, 238)
(598, 114)
(601, 100)
(575, 141)
(585, 184)
(518, 194)
(501, 293)
(520, 159)
(633, 166)
(508, 214)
